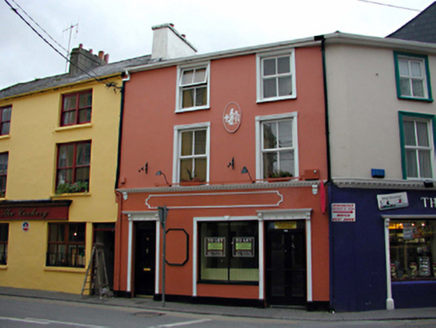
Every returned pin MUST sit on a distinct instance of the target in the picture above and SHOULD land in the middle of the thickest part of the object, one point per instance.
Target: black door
(145, 260)
(285, 260)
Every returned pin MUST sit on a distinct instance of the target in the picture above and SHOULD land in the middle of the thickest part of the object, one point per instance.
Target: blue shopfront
(383, 247)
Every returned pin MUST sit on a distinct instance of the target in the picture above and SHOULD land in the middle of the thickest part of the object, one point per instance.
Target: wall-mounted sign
(34, 210)
(232, 117)
(215, 246)
(285, 225)
(343, 212)
(390, 201)
(243, 246)
(25, 226)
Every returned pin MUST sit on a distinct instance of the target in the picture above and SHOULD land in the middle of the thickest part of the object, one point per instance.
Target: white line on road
(48, 322)
(178, 324)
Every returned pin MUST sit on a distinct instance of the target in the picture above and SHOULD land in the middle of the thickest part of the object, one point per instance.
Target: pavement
(283, 313)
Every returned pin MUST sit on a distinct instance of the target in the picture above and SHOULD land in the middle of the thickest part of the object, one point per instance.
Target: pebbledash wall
(361, 264)
(290, 210)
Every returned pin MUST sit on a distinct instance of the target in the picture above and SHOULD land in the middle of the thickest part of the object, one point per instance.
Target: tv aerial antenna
(70, 29)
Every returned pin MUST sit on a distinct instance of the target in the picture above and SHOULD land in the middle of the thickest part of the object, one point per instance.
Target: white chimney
(168, 43)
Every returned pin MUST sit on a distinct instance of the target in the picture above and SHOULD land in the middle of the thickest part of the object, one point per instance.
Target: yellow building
(58, 161)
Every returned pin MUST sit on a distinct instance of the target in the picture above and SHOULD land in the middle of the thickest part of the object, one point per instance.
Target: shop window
(412, 76)
(76, 108)
(73, 167)
(192, 157)
(276, 76)
(4, 158)
(66, 244)
(277, 146)
(417, 141)
(4, 238)
(193, 88)
(5, 120)
(229, 252)
(412, 249)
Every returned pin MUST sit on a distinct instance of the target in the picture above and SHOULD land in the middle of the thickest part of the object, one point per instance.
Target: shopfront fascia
(34, 210)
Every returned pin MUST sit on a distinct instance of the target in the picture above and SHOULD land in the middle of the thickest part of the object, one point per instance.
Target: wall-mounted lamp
(144, 168)
(232, 163)
(428, 184)
(165, 177)
(245, 170)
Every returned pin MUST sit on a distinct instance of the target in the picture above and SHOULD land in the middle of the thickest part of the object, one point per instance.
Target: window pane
(269, 88)
(82, 174)
(405, 87)
(186, 170)
(422, 134)
(284, 65)
(404, 67)
(4, 232)
(287, 163)
(418, 88)
(85, 115)
(200, 169)
(285, 134)
(3, 164)
(409, 133)
(85, 100)
(56, 232)
(269, 135)
(6, 115)
(69, 118)
(70, 102)
(5, 128)
(200, 96)
(76, 232)
(269, 67)
(425, 164)
(416, 69)
(411, 164)
(187, 77)
(187, 143)
(83, 153)
(285, 86)
(188, 98)
(270, 164)
(200, 142)
(65, 176)
(200, 75)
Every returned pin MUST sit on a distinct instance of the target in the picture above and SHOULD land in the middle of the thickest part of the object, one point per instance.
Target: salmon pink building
(233, 145)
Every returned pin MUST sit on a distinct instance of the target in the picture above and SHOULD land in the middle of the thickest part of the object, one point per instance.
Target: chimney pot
(101, 54)
(80, 45)
(106, 58)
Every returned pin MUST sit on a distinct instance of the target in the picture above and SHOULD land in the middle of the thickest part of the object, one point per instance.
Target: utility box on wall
(311, 174)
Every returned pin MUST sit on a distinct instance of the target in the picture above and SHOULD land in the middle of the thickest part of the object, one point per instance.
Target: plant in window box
(279, 175)
(69, 188)
(191, 181)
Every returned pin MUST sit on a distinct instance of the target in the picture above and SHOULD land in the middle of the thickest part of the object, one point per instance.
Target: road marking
(184, 323)
(48, 322)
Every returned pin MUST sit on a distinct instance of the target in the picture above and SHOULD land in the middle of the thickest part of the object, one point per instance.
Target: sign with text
(34, 210)
(243, 246)
(391, 201)
(343, 212)
(215, 246)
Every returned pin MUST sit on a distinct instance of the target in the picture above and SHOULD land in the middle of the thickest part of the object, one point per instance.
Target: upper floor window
(73, 167)
(412, 76)
(66, 244)
(192, 153)
(277, 146)
(3, 173)
(5, 120)
(4, 237)
(76, 108)
(417, 142)
(193, 88)
(276, 76)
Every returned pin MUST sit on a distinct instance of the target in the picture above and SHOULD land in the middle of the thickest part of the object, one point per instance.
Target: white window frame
(180, 87)
(259, 135)
(178, 129)
(259, 63)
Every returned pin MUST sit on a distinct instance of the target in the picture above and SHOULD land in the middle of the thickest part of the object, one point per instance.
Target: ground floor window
(66, 244)
(412, 249)
(229, 251)
(4, 236)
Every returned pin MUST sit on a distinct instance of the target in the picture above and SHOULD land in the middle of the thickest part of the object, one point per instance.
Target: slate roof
(422, 28)
(65, 79)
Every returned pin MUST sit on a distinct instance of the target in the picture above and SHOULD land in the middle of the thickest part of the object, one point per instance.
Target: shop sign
(232, 117)
(429, 202)
(215, 246)
(243, 246)
(391, 201)
(285, 225)
(343, 212)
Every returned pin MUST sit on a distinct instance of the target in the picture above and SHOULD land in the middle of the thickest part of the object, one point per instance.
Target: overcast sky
(122, 28)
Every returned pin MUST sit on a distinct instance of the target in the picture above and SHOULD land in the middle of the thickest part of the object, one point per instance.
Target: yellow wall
(34, 134)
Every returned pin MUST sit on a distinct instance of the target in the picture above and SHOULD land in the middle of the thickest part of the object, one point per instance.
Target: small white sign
(25, 226)
(390, 201)
(343, 212)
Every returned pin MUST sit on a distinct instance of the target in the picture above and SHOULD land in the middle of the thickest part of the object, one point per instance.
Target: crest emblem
(232, 117)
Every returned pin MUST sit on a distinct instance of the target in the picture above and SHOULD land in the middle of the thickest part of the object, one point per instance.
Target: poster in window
(243, 246)
(408, 231)
(214, 246)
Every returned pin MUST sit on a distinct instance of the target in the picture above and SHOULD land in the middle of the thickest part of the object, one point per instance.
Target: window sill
(65, 269)
(3, 266)
(259, 101)
(6, 136)
(415, 99)
(73, 127)
(192, 109)
(75, 194)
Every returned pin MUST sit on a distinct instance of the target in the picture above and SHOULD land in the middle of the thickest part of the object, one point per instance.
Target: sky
(122, 28)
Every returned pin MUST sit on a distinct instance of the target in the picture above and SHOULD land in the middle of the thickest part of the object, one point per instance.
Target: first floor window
(412, 249)
(3, 173)
(4, 236)
(73, 167)
(417, 142)
(76, 108)
(66, 244)
(229, 251)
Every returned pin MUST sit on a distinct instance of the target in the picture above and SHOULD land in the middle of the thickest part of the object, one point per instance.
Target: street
(30, 313)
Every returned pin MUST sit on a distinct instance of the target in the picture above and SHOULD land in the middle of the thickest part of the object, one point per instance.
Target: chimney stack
(169, 44)
(83, 60)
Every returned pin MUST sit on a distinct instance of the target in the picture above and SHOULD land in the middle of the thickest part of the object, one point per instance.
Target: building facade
(382, 215)
(233, 145)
